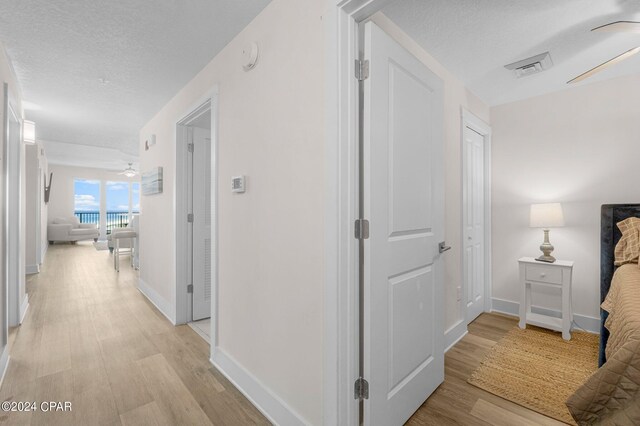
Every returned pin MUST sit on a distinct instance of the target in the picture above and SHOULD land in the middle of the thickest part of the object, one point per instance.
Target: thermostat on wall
(237, 184)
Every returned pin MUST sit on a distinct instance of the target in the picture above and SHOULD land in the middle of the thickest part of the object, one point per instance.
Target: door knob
(442, 247)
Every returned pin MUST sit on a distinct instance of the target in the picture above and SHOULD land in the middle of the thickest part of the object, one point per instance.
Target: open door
(201, 222)
(404, 203)
(473, 221)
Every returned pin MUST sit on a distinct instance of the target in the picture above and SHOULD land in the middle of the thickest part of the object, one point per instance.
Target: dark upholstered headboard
(611, 214)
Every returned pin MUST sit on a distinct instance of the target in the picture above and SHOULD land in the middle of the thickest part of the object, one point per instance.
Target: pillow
(628, 248)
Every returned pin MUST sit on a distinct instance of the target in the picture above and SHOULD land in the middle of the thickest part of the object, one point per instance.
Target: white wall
(36, 241)
(270, 243)
(44, 210)
(578, 147)
(31, 200)
(456, 96)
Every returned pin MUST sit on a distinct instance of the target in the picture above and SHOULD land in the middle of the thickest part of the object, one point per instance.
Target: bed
(612, 394)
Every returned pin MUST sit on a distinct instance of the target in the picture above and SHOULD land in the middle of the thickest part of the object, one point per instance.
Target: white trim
(183, 302)
(13, 214)
(274, 408)
(166, 308)
(454, 334)
(4, 363)
(341, 182)
(32, 269)
(340, 328)
(24, 308)
(44, 249)
(584, 323)
(470, 120)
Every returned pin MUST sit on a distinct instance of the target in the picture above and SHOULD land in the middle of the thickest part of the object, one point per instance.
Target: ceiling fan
(129, 171)
(618, 26)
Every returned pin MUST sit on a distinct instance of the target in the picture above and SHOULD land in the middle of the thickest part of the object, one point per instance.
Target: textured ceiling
(474, 39)
(99, 70)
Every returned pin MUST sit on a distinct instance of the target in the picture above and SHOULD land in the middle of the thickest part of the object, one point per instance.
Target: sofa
(71, 230)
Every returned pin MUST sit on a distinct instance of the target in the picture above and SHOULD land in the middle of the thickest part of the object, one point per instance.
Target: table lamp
(545, 216)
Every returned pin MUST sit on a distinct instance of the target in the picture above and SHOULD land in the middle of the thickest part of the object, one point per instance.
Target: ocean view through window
(87, 200)
(121, 200)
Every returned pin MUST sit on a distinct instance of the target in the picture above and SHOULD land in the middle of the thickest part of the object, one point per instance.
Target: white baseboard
(454, 334)
(24, 308)
(589, 324)
(167, 309)
(4, 362)
(45, 247)
(32, 269)
(268, 403)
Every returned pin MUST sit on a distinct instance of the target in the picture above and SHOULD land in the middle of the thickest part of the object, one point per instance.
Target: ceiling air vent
(532, 65)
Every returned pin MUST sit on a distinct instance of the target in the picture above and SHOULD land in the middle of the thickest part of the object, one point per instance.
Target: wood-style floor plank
(456, 402)
(91, 338)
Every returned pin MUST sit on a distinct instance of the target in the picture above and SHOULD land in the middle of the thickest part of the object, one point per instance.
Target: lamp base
(546, 249)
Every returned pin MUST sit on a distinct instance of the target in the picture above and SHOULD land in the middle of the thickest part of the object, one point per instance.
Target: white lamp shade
(547, 215)
(29, 131)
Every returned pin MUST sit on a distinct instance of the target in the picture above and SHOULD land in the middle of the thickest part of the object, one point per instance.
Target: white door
(473, 219)
(201, 223)
(404, 203)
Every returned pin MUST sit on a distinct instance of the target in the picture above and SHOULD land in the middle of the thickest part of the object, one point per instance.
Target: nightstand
(556, 275)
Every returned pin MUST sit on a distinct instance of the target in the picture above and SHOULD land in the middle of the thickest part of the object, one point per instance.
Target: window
(117, 205)
(87, 200)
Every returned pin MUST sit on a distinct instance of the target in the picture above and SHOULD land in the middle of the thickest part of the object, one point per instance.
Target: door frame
(470, 120)
(341, 207)
(183, 301)
(40, 200)
(13, 222)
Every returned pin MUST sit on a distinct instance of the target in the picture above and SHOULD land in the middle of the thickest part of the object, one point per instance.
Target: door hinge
(190, 288)
(362, 229)
(190, 147)
(361, 389)
(362, 69)
(190, 218)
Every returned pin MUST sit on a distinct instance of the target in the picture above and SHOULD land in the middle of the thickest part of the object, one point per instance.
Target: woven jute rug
(537, 369)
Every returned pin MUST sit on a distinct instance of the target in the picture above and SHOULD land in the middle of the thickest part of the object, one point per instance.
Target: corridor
(92, 339)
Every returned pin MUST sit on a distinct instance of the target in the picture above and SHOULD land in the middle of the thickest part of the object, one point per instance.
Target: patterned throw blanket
(612, 394)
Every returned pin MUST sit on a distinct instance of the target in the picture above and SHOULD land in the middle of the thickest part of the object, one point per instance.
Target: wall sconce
(29, 131)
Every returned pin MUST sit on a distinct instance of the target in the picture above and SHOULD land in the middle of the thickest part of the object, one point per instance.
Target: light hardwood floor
(456, 402)
(90, 337)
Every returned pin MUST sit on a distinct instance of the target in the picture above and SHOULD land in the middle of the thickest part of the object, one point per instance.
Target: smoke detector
(532, 65)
